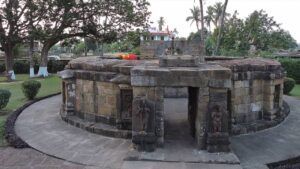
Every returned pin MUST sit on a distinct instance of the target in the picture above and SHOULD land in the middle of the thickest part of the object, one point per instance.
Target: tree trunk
(44, 61)
(9, 63)
(221, 29)
(85, 47)
(202, 48)
(30, 53)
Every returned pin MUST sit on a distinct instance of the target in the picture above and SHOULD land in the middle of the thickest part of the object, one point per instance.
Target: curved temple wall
(125, 98)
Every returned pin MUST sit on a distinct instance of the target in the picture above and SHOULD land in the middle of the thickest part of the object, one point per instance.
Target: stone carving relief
(216, 116)
(142, 112)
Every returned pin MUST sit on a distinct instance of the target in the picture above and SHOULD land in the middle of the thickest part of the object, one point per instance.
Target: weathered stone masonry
(125, 98)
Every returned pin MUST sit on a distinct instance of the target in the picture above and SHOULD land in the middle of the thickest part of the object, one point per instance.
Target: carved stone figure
(216, 116)
(143, 113)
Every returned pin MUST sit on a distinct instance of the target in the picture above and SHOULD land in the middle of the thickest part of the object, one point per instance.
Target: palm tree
(209, 17)
(217, 10)
(161, 23)
(195, 17)
(202, 47)
(221, 27)
(214, 13)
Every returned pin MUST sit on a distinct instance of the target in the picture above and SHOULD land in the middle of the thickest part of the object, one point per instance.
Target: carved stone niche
(218, 136)
(124, 118)
(143, 124)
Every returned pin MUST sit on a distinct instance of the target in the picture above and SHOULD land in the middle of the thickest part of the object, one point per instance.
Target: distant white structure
(156, 35)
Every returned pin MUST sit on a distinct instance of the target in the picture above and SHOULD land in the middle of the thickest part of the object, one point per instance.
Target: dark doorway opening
(276, 96)
(229, 110)
(180, 116)
(192, 108)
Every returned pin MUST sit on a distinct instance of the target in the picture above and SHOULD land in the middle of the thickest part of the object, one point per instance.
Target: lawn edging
(9, 128)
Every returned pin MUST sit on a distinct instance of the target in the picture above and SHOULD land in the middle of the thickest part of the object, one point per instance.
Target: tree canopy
(52, 21)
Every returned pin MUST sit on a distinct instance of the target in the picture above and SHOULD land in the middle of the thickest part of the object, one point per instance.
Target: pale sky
(175, 12)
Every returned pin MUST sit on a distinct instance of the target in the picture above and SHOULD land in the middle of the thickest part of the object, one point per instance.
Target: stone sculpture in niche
(143, 113)
(216, 116)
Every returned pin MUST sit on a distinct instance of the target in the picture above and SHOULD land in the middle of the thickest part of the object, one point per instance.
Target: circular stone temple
(125, 99)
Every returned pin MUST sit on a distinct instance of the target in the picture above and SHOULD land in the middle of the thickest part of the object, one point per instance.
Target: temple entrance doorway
(180, 116)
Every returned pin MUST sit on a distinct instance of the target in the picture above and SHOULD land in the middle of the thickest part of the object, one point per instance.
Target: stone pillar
(201, 116)
(268, 104)
(147, 117)
(217, 132)
(69, 96)
(68, 92)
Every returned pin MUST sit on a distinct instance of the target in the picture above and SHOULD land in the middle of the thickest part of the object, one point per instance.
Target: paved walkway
(275, 144)
(41, 127)
(11, 158)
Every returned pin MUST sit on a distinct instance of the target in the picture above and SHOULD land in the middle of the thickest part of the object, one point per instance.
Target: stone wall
(154, 49)
(253, 91)
(129, 95)
(176, 92)
(96, 101)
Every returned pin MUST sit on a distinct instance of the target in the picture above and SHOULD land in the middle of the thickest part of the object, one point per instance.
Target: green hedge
(4, 97)
(2, 67)
(22, 66)
(289, 84)
(292, 67)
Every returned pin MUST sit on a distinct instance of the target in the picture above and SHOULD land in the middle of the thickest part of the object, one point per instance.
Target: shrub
(21, 66)
(4, 98)
(55, 66)
(2, 67)
(291, 66)
(289, 84)
(30, 88)
(136, 51)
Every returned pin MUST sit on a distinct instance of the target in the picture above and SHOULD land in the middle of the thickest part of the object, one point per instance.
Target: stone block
(215, 83)
(203, 92)
(200, 134)
(256, 90)
(88, 86)
(241, 108)
(111, 100)
(88, 103)
(241, 84)
(236, 92)
(269, 90)
(79, 102)
(179, 61)
(268, 106)
(242, 100)
(268, 98)
(278, 81)
(218, 95)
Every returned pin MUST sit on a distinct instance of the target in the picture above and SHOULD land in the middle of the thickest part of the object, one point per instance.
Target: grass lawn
(50, 85)
(296, 91)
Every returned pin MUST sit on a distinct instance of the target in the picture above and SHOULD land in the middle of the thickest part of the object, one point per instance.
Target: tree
(12, 30)
(258, 29)
(161, 23)
(195, 17)
(112, 20)
(214, 15)
(202, 48)
(32, 16)
(221, 27)
(60, 20)
(209, 17)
